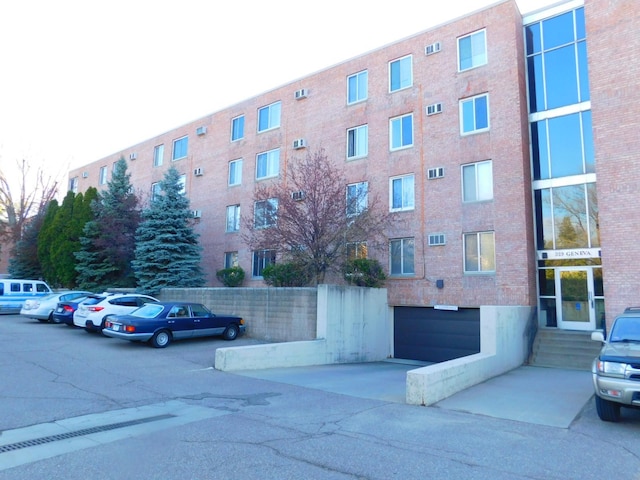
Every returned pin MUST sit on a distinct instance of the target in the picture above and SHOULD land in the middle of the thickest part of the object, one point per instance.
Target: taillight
(95, 309)
(129, 328)
(67, 308)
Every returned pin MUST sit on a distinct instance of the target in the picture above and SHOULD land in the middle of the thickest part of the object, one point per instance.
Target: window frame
(155, 191)
(269, 215)
(235, 173)
(266, 257)
(480, 256)
(103, 176)
(403, 207)
(400, 61)
(356, 133)
(473, 99)
(271, 165)
(178, 151)
(271, 120)
(231, 259)
(478, 180)
(356, 250)
(403, 257)
(239, 131)
(361, 199)
(158, 155)
(392, 122)
(484, 59)
(357, 84)
(232, 221)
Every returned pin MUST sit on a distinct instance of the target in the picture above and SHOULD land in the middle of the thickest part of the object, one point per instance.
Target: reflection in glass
(558, 30)
(561, 77)
(575, 296)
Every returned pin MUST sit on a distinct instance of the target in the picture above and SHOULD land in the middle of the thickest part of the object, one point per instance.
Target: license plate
(59, 309)
(115, 328)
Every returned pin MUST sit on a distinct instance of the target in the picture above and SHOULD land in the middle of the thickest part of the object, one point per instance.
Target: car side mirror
(597, 336)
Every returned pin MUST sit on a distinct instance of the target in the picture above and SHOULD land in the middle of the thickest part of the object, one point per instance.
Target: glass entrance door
(576, 308)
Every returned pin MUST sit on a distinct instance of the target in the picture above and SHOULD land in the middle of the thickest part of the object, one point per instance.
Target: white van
(13, 293)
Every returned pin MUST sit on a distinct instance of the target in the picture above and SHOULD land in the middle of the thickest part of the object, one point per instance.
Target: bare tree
(34, 192)
(312, 217)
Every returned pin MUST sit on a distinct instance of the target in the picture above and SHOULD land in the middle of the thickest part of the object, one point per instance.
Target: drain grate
(79, 433)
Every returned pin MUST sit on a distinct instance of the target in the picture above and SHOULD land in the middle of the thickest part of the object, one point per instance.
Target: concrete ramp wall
(352, 326)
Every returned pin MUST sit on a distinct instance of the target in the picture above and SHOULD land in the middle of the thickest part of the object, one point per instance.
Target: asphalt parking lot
(112, 409)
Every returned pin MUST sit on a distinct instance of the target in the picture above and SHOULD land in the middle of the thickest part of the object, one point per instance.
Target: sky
(81, 80)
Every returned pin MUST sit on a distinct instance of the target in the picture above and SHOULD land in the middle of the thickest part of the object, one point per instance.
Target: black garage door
(431, 335)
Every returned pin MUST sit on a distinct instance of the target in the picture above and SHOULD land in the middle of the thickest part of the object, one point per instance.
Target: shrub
(364, 272)
(289, 274)
(231, 277)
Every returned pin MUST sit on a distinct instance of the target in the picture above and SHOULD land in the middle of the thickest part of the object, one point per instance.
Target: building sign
(569, 254)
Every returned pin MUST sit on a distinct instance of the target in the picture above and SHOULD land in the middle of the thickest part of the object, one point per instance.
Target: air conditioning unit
(133, 156)
(198, 172)
(299, 143)
(201, 130)
(297, 196)
(433, 48)
(434, 173)
(196, 213)
(433, 109)
(300, 94)
(436, 239)
(85, 174)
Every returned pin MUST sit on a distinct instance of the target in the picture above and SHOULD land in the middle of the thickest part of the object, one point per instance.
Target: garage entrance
(433, 335)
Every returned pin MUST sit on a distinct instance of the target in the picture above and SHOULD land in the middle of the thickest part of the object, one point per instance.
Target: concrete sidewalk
(544, 396)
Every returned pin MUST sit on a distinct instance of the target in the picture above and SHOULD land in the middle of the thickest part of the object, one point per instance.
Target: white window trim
(269, 127)
(365, 199)
(475, 165)
(402, 257)
(235, 227)
(358, 129)
(399, 118)
(402, 209)
(173, 153)
(411, 68)
(461, 115)
(238, 162)
(464, 254)
(231, 135)
(357, 74)
(486, 54)
(267, 154)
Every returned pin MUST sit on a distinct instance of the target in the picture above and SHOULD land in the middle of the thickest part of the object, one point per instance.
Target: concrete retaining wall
(353, 326)
(504, 345)
(272, 314)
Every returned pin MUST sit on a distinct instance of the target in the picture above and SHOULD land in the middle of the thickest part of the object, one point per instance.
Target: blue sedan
(161, 323)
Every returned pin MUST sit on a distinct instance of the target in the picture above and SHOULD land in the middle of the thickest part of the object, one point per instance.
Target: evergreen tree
(167, 252)
(24, 263)
(108, 242)
(45, 238)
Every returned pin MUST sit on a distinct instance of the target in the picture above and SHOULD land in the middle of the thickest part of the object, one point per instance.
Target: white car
(41, 308)
(94, 310)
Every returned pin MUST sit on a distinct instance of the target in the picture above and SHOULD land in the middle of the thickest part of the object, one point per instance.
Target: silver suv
(616, 370)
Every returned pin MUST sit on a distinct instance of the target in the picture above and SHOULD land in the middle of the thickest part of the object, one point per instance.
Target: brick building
(483, 136)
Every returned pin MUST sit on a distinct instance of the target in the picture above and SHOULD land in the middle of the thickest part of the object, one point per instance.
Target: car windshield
(150, 310)
(626, 329)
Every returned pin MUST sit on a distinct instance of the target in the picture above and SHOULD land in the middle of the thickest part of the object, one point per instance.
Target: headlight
(612, 368)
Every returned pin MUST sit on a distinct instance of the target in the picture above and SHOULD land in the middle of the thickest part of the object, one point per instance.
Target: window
(401, 132)
(357, 198)
(269, 117)
(356, 250)
(158, 155)
(472, 50)
(155, 191)
(265, 213)
(233, 218)
(401, 193)
(474, 114)
(262, 258)
(180, 148)
(357, 87)
(358, 142)
(230, 259)
(235, 172)
(73, 185)
(400, 74)
(103, 175)
(268, 164)
(237, 128)
(401, 255)
(477, 182)
(479, 252)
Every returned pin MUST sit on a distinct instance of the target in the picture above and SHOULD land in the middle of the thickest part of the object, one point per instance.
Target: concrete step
(564, 349)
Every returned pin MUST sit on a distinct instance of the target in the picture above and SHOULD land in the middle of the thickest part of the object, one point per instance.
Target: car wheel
(161, 339)
(231, 332)
(608, 411)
